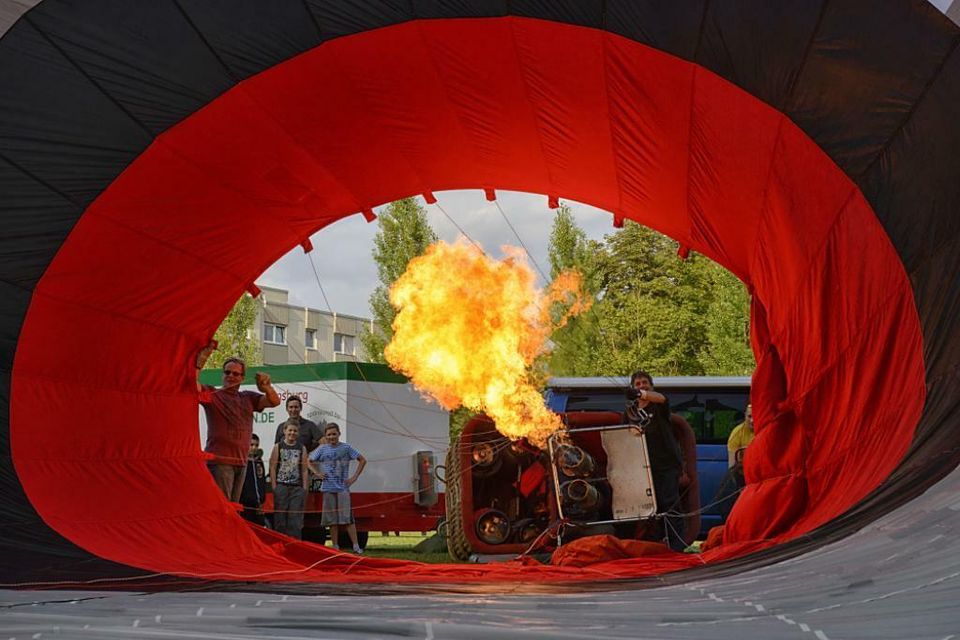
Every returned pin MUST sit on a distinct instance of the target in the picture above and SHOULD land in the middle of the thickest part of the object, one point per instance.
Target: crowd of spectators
(302, 450)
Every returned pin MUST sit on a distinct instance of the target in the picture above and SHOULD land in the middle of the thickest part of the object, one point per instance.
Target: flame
(468, 328)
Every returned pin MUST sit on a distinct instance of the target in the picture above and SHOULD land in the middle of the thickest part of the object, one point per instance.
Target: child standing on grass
(334, 458)
(288, 470)
(254, 484)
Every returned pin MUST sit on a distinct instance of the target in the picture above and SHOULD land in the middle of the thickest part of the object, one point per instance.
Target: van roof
(664, 382)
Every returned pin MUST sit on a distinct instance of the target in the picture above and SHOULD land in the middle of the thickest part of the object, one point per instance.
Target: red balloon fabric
(500, 103)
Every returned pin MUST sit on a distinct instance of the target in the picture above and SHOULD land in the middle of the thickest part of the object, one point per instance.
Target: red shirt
(229, 423)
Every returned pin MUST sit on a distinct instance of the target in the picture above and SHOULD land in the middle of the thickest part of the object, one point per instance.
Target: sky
(343, 250)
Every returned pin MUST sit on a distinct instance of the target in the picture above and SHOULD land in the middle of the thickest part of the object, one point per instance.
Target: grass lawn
(401, 547)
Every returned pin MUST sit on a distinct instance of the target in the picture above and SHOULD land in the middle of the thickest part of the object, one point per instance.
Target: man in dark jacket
(651, 410)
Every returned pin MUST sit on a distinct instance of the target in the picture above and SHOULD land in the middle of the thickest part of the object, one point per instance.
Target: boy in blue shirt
(334, 458)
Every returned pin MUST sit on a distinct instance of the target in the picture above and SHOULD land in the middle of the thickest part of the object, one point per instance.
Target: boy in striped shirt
(334, 471)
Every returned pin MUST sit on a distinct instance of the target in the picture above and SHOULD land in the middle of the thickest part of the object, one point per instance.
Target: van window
(713, 414)
(596, 401)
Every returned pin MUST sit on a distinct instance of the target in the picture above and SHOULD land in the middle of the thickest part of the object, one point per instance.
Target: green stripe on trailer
(360, 371)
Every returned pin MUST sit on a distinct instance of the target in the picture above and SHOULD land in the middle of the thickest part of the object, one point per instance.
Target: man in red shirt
(230, 421)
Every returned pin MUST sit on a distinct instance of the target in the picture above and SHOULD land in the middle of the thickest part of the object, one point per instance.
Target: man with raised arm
(651, 410)
(230, 420)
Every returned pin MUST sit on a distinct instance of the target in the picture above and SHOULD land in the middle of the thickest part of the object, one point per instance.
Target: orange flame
(469, 327)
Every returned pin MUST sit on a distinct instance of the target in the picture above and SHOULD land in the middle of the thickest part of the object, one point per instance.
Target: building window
(274, 333)
(342, 343)
(310, 339)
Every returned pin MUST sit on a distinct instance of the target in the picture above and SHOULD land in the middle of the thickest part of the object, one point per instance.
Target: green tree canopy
(403, 234)
(570, 249)
(235, 335)
(651, 310)
(727, 350)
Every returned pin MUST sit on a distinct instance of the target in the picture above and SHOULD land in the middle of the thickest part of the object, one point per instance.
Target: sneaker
(335, 547)
(358, 551)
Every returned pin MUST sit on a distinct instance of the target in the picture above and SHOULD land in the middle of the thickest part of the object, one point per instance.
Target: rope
(702, 509)
(459, 228)
(187, 574)
(553, 530)
(520, 240)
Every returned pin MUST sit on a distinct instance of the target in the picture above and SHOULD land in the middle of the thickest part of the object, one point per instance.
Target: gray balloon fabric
(888, 568)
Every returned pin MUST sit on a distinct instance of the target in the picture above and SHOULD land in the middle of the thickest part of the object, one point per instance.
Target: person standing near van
(651, 409)
(230, 420)
(288, 470)
(740, 438)
(334, 471)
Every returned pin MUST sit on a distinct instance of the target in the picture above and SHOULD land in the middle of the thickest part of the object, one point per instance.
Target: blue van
(712, 405)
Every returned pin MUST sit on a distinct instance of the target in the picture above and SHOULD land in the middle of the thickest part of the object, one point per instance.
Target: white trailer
(401, 434)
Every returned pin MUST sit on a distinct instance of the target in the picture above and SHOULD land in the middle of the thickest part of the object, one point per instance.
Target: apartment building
(291, 334)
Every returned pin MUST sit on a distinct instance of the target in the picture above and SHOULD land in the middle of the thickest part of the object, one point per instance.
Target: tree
(235, 336)
(652, 309)
(568, 243)
(652, 306)
(727, 351)
(403, 234)
(569, 248)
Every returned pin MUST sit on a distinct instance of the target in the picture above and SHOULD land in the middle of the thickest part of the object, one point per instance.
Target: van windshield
(712, 412)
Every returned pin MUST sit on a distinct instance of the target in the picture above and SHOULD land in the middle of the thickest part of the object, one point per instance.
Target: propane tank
(574, 462)
(580, 496)
(485, 459)
(424, 465)
(529, 531)
(492, 526)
